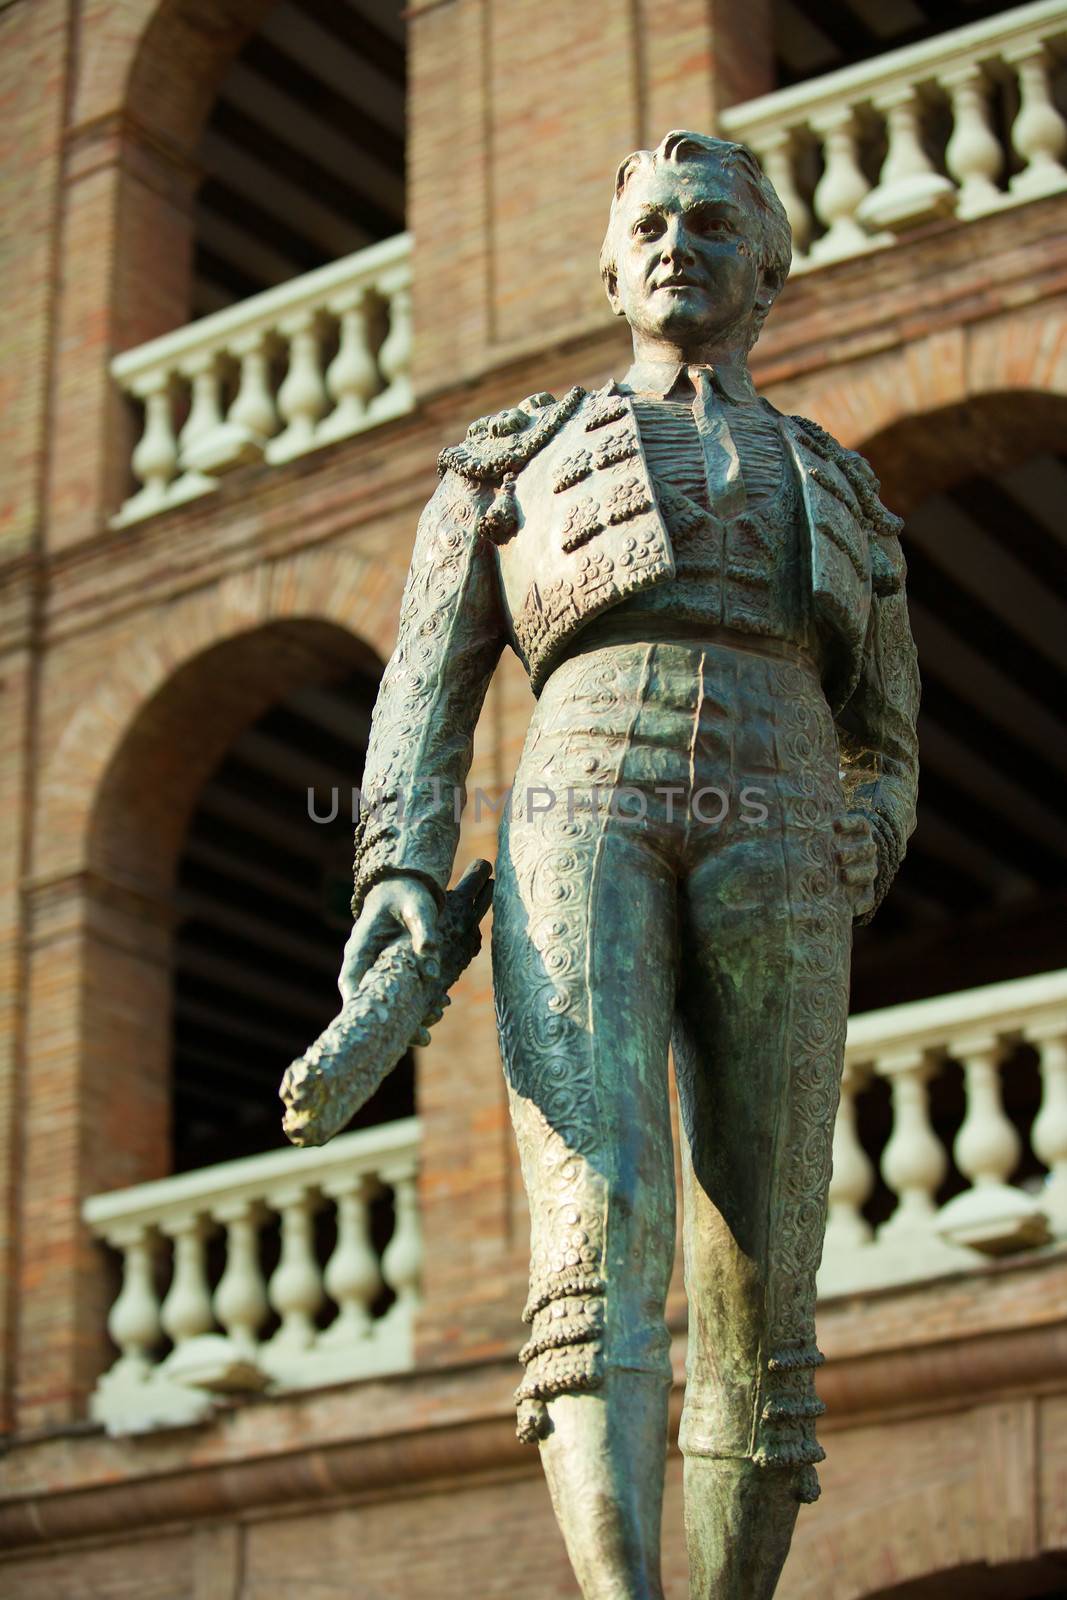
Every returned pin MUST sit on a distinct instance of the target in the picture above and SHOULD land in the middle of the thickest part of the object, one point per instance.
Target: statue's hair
(775, 235)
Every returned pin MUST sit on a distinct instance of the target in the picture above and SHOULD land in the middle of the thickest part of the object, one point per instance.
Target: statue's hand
(857, 860)
(394, 905)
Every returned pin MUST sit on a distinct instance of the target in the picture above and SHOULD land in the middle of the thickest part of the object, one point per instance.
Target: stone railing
(982, 1030)
(299, 366)
(865, 153)
(226, 1266)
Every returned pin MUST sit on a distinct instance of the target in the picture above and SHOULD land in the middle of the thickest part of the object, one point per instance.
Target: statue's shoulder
(883, 525)
(499, 446)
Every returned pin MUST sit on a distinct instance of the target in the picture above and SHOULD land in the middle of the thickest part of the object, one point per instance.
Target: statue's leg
(583, 956)
(759, 1035)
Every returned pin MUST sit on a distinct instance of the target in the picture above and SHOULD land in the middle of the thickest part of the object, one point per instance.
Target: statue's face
(687, 253)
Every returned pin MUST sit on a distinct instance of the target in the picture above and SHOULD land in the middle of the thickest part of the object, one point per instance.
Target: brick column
(126, 242)
(521, 111)
(93, 1115)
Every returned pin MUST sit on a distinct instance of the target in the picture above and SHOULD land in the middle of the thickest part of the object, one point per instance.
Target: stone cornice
(397, 1436)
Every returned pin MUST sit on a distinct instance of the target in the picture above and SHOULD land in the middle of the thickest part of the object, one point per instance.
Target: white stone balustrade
(219, 1332)
(908, 1046)
(927, 114)
(254, 383)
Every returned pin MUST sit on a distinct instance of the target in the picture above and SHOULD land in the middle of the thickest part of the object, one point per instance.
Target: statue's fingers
(423, 930)
(856, 849)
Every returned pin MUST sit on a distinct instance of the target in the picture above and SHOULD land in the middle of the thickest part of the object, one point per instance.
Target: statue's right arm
(451, 634)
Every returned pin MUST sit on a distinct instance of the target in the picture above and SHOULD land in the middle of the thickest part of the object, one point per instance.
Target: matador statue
(718, 781)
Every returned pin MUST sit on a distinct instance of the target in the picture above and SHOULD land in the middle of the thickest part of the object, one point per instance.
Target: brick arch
(108, 828)
(926, 454)
(159, 62)
(960, 1527)
(228, 644)
(1012, 353)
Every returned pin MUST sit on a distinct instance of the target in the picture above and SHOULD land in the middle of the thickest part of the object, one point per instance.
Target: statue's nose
(675, 248)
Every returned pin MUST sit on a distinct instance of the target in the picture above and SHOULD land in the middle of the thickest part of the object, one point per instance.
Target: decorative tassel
(501, 521)
(532, 1424)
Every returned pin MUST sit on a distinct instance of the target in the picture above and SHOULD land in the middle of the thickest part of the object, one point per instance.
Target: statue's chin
(687, 319)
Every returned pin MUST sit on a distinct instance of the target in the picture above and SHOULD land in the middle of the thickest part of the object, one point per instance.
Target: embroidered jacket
(546, 516)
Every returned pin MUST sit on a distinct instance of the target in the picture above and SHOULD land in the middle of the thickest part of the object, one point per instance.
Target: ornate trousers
(666, 876)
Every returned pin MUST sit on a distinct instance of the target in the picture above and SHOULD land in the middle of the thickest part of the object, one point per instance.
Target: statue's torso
(741, 570)
(585, 525)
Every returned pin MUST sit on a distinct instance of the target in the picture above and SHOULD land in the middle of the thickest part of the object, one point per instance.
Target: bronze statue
(719, 779)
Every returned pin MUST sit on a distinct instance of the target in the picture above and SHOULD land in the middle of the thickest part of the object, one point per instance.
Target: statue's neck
(727, 354)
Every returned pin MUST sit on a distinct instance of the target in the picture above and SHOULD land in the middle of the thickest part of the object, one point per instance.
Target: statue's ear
(767, 289)
(766, 293)
(611, 289)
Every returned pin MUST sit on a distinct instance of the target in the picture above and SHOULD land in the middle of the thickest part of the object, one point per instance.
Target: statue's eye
(648, 227)
(712, 225)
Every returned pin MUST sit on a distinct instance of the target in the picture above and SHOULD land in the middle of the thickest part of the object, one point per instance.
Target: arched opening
(1044, 1579)
(264, 879)
(302, 153)
(982, 894)
(204, 814)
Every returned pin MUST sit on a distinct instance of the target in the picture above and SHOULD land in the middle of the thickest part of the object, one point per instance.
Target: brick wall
(505, 99)
(104, 649)
(327, 538)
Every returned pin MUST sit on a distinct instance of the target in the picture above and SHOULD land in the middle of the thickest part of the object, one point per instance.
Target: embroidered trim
(486, 457)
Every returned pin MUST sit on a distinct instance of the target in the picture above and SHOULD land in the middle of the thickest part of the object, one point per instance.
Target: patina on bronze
(718, 780)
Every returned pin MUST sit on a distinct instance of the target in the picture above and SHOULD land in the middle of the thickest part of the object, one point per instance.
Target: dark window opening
(303, 153)
(982, 894)
(812, 37)
(263, 913)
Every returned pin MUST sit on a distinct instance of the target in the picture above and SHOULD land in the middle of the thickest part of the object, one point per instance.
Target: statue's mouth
(678, 281)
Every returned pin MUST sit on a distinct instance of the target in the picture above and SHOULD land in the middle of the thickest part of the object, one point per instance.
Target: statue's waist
(715, 708)
(621, 626)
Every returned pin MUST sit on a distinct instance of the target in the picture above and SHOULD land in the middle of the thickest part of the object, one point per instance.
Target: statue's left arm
(876, 728)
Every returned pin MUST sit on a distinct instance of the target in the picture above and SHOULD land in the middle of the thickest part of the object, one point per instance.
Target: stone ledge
(400, 1434)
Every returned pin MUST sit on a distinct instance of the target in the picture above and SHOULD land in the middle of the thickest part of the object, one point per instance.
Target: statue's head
(698, 243)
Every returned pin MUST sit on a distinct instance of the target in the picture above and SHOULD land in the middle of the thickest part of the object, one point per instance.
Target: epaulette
(497, 447)
(887, 562)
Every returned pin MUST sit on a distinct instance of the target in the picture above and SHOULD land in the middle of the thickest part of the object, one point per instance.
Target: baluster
(352, 377)
(353, 1275)
(992, 1216)
(251, 419)
(134, 1322)
(394, 357)
(295, 1289)
(841, 189)
(909, 190)
(913, 1162)
(402, 1258)
(853, 1174)
(987, 1146)
(974, 154)
(253, 408)
(156, 456)
(201, 425)
(777, 154)
(187, 1308)
(1039, 133)
(1049, 1133)
(241, 1297)
(302, 398)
